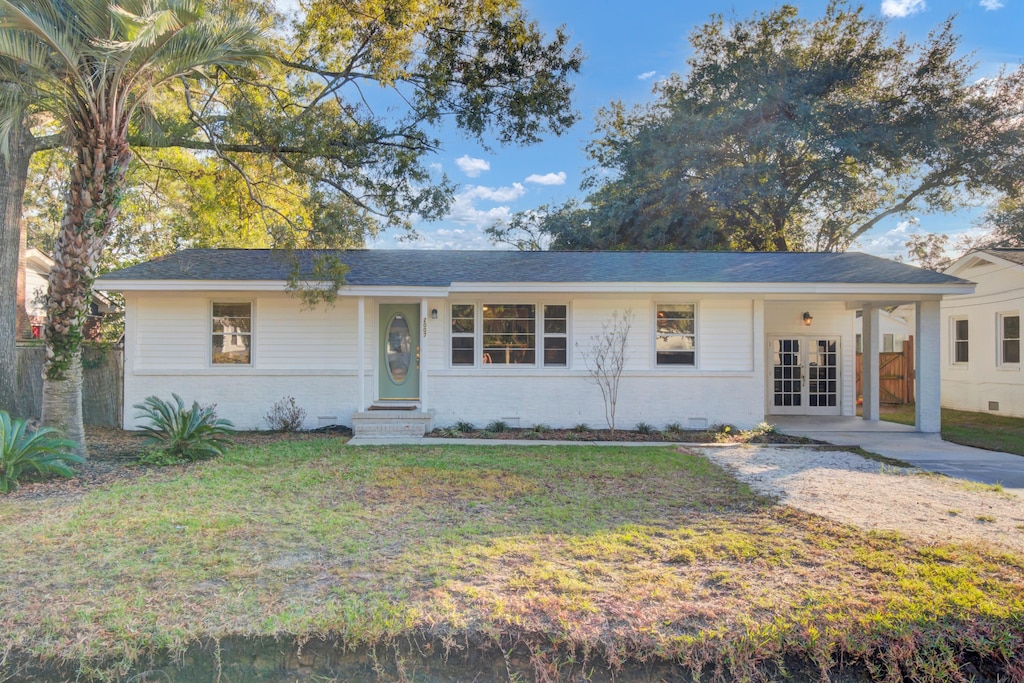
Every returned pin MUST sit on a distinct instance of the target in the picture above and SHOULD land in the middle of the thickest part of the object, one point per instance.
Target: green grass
(635, 553)
(981, 430)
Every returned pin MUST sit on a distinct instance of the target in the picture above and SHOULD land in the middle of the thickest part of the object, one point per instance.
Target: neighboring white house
(897, 326)
(981, 339)
(37, 271)
(717, 337)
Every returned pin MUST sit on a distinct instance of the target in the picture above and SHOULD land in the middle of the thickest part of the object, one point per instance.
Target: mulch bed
(685, 436)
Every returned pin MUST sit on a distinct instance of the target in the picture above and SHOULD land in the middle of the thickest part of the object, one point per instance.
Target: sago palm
(95, 64)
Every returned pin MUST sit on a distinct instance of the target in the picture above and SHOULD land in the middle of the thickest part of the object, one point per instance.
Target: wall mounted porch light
(808, 318)
(433, 314)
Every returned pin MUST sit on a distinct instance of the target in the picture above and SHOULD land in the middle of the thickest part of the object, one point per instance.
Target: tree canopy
(787, 133)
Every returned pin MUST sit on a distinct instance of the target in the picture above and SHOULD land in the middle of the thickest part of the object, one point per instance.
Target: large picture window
(509, 334)
(961, 344)
(676, 335)
(232, 333)
(1009, 338)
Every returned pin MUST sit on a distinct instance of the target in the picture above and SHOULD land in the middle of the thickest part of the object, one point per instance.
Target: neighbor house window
(556, 336)
(463, 334)
(675, 334)
(232, 333)
(510, 334)
(960, 341)
(1009, 337)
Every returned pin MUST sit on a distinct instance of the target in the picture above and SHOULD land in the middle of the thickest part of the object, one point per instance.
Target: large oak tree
(787, 133)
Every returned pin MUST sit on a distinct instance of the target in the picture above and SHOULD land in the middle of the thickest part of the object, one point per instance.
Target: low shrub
(498, 426)
(674, 428)
(286, 416)
(644, 428)
(540, 428)
(181, 433)
(464, 427)
(43, 450)
(581, 427)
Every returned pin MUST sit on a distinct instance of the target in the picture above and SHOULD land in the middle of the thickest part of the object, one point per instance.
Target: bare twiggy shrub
(286, 416)
(606, 359)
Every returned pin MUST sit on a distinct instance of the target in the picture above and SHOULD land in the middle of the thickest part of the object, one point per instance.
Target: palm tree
(97, 63)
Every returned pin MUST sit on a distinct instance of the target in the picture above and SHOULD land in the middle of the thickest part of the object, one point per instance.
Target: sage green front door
(399, 352)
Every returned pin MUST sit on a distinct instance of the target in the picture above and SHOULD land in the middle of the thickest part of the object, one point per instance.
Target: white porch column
(361, 351)
(871, 319)
(425, 314)
(928, 362)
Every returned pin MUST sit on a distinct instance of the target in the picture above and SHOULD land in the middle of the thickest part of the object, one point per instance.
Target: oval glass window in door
(399, 349)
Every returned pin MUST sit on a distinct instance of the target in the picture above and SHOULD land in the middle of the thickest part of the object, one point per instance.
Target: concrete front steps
(402, 421)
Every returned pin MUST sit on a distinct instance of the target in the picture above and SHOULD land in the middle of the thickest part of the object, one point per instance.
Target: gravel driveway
(849, 488)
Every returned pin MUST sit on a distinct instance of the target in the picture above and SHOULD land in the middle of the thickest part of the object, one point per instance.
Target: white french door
(805, 377)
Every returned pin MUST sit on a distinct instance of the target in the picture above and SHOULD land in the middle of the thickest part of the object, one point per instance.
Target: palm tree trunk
(93, 199)
(13, 175)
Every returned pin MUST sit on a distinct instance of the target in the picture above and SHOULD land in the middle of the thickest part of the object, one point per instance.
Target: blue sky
(629, 46)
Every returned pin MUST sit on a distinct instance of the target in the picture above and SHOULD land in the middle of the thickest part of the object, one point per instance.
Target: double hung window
(1009, 339)
(232, 333)
(676, 335)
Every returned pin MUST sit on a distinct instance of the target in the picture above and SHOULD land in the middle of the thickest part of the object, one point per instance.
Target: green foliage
(581, 427)
(194, 433)
(43, 451)
(644, 428)
(789, 133)
(540, 428)
(673, 427)
(498, 427)
(464, 427)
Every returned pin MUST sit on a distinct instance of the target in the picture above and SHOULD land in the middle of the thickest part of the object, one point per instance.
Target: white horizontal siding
(171, 331)
(726, 334)
(287, 337)
(973, 385)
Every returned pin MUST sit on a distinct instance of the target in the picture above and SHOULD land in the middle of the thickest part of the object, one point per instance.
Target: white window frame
(1001, 339)
(251, 333)
(545, 335)
(696, 337)
(954, 340)
(539, 334)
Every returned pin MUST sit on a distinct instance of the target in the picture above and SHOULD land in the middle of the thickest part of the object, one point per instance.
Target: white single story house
(981, 340)
(717, 337)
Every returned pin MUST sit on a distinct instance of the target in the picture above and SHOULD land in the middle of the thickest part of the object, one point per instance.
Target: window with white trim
(556, 336)
(676, 335)
(509, 334)
(232, 333)
(960, 340)
(463, 334)
(1009, 339)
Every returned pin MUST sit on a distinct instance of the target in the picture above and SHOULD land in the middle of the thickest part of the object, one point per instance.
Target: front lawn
(623, 555)
(981, 430)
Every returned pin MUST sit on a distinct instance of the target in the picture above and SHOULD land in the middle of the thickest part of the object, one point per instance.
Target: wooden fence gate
(895, 375)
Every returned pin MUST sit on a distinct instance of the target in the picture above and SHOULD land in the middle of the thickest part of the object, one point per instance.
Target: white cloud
(902, 8)
(647, 74)
(991, 4)
(890, 244)
(472, 167)
(435, 167)
(547, 178)
(494, 194)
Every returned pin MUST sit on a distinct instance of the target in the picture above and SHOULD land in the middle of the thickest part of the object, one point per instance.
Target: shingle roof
(381, 267)
(1013, 255)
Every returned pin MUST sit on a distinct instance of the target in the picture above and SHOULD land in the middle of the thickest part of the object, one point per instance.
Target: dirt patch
(114, 454)
(849, 488)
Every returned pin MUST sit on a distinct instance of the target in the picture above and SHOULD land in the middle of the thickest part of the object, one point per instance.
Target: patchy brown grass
(635, 554)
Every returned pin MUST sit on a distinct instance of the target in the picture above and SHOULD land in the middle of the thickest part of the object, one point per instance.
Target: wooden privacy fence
(895, 374)
(102, 383)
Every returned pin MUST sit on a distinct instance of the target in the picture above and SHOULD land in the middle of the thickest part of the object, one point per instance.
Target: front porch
(812, 425)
